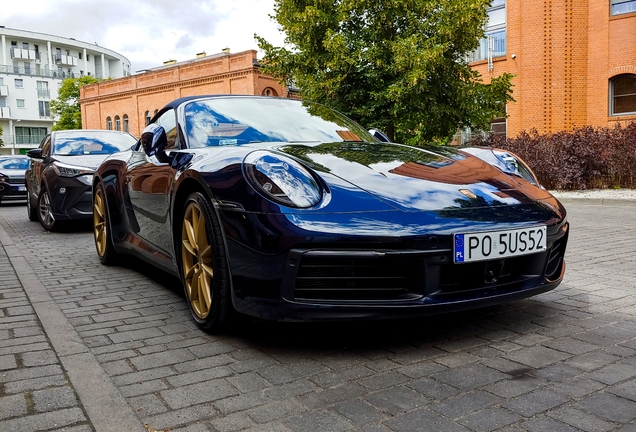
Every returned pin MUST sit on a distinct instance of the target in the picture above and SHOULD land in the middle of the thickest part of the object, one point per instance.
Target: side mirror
(154, 141)
(35, 153)
(379, 135)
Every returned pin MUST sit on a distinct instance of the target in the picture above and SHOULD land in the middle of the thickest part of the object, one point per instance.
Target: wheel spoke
(186, 244)
(98, 206)
(205, 298)
(189, 230)
(207, 269)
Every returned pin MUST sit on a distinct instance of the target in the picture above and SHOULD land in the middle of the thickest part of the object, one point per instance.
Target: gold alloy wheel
(196, 256)
(99, 222)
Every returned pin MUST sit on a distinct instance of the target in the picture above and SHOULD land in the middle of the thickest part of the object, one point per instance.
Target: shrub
(584, 158)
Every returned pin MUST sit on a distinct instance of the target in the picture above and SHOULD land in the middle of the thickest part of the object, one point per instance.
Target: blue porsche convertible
(287, 210)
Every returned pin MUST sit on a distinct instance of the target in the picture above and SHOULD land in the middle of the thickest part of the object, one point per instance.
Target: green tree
(399, 65)
(1, 141)
(66, 109)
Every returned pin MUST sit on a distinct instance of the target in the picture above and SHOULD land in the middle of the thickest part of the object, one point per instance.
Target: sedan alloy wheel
(45, 211)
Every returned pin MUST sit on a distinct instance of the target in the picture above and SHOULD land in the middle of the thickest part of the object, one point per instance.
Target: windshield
(237, 121)
(91, 143)
(14, 163)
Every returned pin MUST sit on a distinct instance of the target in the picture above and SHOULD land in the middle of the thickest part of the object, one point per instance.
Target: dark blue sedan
(287, 210)
(12, 170)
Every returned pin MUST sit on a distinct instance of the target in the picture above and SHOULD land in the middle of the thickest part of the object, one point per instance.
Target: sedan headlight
(4, 178)
(281, 179)
(65, 170)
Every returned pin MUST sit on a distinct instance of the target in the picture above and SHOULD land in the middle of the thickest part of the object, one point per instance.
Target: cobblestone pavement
(85, 347)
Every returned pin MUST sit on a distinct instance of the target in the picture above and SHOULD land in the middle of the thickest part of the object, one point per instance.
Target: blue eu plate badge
(459, 248)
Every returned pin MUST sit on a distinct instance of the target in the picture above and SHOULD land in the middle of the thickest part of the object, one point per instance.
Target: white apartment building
(32, 68)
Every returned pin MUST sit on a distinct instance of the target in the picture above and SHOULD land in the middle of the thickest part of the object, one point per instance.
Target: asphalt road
(85, 347)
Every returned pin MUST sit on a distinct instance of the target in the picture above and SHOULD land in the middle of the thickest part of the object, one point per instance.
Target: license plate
(481, 246)
(21, 188)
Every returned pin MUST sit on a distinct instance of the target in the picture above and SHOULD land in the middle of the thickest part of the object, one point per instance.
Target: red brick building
(129, 103)
(574, 61)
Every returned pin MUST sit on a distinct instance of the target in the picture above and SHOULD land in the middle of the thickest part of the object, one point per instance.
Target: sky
(149, 32)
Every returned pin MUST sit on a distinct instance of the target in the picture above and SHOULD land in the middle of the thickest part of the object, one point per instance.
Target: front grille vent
(352, 278)
(84, 206)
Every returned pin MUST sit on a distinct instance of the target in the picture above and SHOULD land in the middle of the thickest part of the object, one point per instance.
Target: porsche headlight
(66, 170)
(505, 161)
(511, 164)
(281, 179)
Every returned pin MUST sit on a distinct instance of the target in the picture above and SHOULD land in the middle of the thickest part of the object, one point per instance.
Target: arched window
(109, 123)
(125, 122)
(156, 111)
(117, 123)
(269, 92)
(623, 94)
(148, 117)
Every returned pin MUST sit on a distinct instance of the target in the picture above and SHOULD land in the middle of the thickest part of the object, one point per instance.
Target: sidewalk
(48, 377)
(598, 196)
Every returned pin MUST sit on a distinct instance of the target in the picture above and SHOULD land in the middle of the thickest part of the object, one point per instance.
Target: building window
(494, 44)
(19, 103)
(148, 117)
(25, 45)
(623, 94)
(29, 135)
(622, 6)
(269, 92)
(43, 89)
(27, 68)
(125, 122)
(498, 126)
(19, 83)
(109, 123)
(43, 107)
(117, 123)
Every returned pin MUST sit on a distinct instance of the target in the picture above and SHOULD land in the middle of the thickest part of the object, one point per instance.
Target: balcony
(26, 54)
(5, 112)
(44, 94)
(37, 71)
(65, 60)
(4, 91)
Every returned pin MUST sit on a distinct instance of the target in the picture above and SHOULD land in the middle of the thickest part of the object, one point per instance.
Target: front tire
(45, 212)
(203, 267)
(101, 228)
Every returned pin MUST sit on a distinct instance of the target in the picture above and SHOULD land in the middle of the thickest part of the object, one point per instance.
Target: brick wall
(565, 53)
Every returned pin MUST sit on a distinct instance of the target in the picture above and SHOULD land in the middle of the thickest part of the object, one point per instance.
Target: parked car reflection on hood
(59, 179)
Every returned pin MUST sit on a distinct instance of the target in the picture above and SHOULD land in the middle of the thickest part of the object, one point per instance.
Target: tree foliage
(1, 141)
(399, 65)
(66, 109)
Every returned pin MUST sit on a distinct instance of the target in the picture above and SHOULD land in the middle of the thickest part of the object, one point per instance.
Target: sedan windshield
(237, 121)
(91, 142)
(14, 163)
